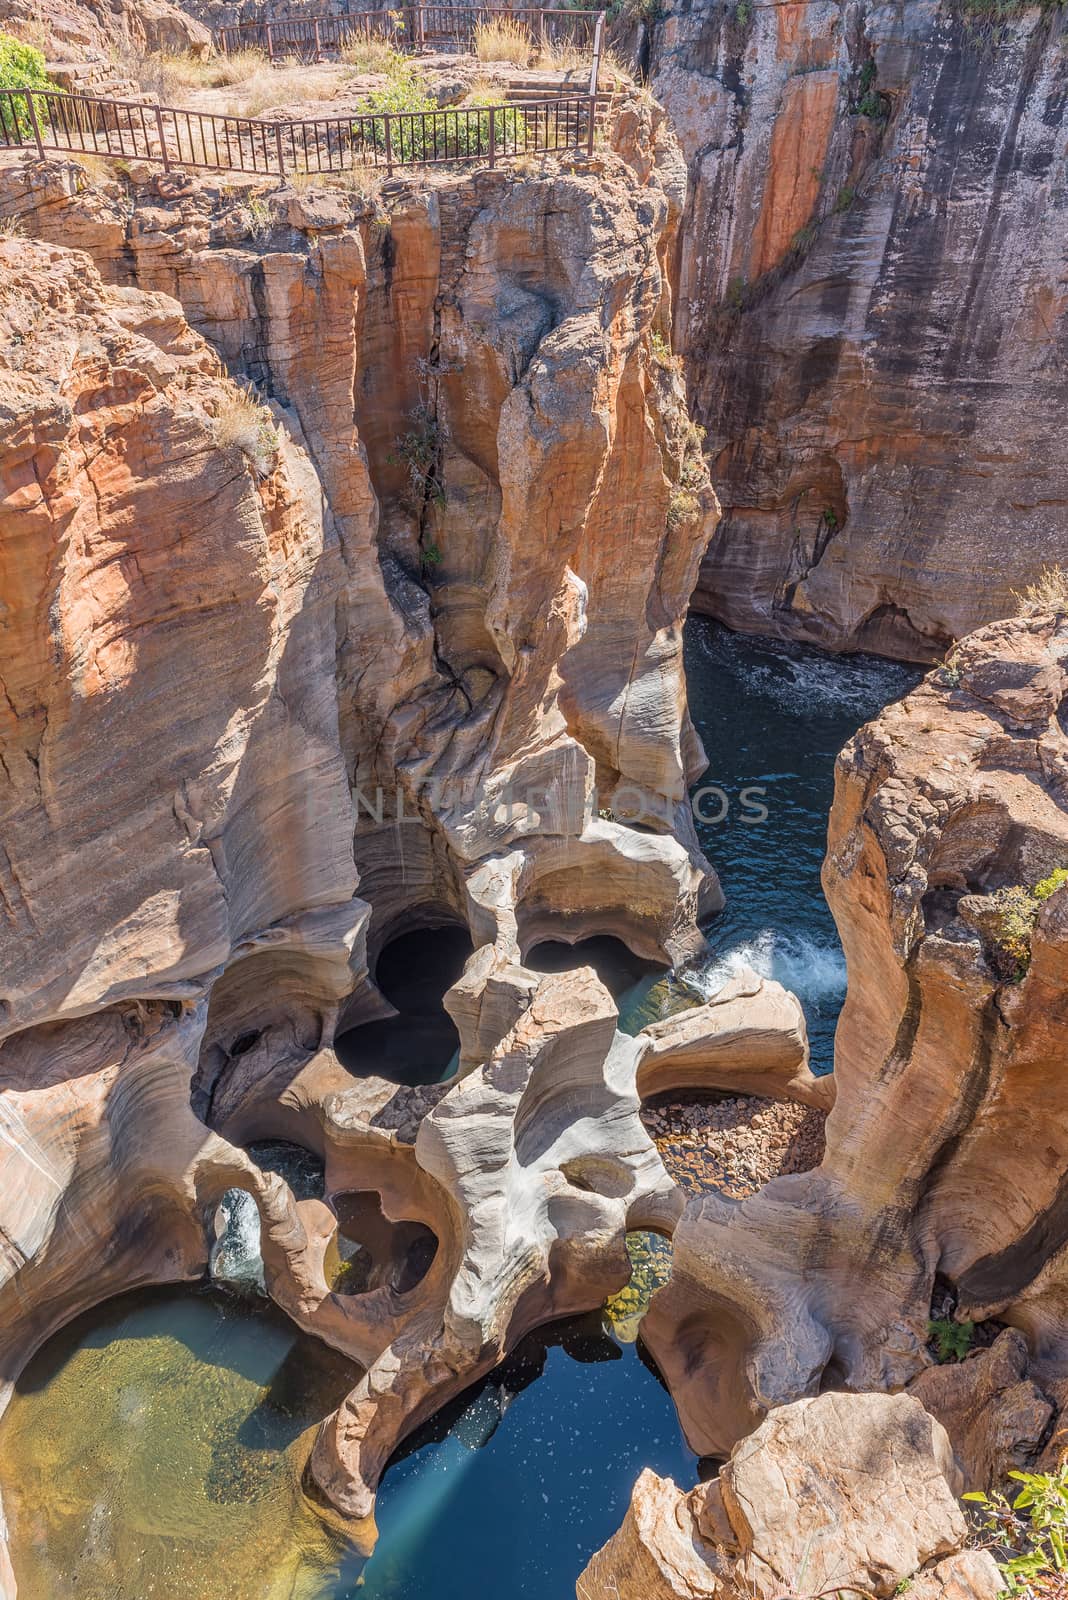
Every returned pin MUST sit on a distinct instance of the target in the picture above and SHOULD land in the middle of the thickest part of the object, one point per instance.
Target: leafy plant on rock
(1016, 912)
(1029, 1535)
(22, 67)
(952, 1340)
(419, 450)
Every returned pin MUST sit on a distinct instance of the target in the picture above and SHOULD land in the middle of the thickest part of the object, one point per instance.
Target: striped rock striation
(871, 305)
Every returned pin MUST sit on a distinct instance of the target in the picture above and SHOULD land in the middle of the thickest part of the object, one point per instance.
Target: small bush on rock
(1048, 593)
(1029, 1535)
(23, 67)
(952, 1340)
(1016, 911)
(243, 421)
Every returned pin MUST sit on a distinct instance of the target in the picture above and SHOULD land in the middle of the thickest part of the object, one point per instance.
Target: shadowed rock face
(871, 305)
(228, 626)
(946, 1145)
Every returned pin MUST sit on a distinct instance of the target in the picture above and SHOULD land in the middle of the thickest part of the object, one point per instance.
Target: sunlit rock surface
(946, 1145)
(293, 670)
(848, 1491)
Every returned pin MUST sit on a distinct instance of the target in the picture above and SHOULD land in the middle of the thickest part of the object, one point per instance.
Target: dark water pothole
(371, 1252)
(421, 1044)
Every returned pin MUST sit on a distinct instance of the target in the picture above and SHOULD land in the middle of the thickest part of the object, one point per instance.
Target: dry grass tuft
(1048, 593)
(11, 228)
(167, 73)
(503, 40)
(243, 421)
(617, 66)
(563, 55)
(97, 169)
(373, 55)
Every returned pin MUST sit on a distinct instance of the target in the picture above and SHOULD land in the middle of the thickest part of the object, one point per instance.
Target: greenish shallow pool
(154, 1448)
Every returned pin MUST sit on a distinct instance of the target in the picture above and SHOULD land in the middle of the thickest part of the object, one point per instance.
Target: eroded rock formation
(948, 840)
(91, 31)
(289, 671)
(872, 308)
(845, 1493)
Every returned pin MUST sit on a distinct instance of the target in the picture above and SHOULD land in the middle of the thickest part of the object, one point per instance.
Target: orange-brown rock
(289, 668)
(871, 303)
(852, 1492)
(995, 1415)
(946, 1146)
(749, 1038)
(101, 30)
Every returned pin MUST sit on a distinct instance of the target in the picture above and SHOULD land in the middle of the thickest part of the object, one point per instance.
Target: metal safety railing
(406, 28)
(55, 122)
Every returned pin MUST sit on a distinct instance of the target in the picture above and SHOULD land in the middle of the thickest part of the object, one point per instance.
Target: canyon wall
(871, 305)
(311, 507)
(941, 1193)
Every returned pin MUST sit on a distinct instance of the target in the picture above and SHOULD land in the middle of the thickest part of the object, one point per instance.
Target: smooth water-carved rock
(946, 1147)
(847, 1492)
(269, 705)
(749, 1038)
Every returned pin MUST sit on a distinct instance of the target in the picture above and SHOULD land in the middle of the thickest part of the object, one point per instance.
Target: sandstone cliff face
(871, 304)
(88, 30)
(234, 618)
(942, 1182)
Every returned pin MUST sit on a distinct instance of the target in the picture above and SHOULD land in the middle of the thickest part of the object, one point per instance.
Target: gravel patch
(733, 1145)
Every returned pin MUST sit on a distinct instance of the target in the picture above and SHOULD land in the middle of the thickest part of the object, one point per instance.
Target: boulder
(847, 1493)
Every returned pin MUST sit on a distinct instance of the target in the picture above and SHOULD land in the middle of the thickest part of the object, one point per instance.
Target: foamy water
(805, 681)
(235, 1255)
(814, 971)
(774, 716)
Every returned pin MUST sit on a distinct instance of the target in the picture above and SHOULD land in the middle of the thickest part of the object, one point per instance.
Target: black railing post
(389, 148)
(161, 131)
(593, 121)
(278, 147)
(492, 138)
(34, 124)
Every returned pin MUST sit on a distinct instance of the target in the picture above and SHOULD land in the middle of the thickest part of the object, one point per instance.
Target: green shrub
(1030, 1534)
(1017, 909)
(871, 105)
(1047, 886)
(23, 67)
(846, 196)
(465, 130)
(743, 13)
(952, 1340)
(683, 506)
(633, 11)
(403, 93)
(737, 296)
(419, 451)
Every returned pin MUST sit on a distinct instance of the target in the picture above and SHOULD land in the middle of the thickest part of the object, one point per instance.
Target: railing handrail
(57, 122)
(598, 39)
(317, 30)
